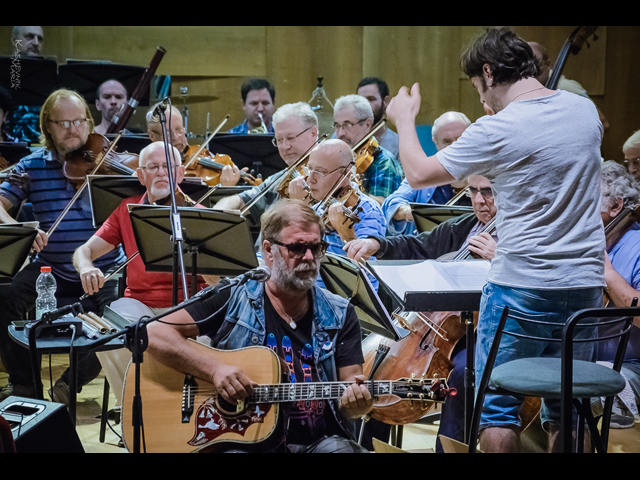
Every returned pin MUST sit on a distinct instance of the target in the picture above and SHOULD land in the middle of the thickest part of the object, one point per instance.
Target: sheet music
(434, 276)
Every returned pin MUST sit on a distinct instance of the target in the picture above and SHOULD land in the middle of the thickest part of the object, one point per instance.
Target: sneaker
(622, 418)
(60, 393)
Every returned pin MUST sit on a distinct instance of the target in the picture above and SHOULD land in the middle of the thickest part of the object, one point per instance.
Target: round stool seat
(540, 377)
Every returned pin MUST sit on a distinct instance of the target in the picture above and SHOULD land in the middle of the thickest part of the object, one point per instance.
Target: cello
(424, 352)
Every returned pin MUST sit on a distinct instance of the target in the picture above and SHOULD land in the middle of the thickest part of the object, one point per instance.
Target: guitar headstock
(431, 389)
(580, 36)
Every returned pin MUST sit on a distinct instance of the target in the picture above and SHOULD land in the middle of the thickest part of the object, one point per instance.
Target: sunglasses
(299, 249)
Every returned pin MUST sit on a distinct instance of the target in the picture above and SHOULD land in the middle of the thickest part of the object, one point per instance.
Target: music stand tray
(253, 151)
(342, 276)
(106, 192)
(219, 242)
(15, 244)
(428, 216)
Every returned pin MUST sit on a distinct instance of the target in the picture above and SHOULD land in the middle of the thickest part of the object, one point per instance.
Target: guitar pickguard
(212, 422)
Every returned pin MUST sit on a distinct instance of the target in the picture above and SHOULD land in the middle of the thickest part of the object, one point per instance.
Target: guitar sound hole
(228, 408)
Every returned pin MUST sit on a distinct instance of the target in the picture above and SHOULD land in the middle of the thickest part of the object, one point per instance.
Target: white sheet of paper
(434, 276)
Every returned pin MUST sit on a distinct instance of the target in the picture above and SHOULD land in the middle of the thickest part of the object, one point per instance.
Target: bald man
(447, 128)
(111, 96)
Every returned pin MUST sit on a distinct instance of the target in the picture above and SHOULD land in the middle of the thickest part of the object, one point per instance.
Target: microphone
(162, 107)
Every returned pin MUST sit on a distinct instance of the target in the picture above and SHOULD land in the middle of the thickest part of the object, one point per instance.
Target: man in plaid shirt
(353, 120)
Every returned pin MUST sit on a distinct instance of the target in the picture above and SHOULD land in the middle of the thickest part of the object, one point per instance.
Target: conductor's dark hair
(383, 88)
(507, 54)
(257, 84)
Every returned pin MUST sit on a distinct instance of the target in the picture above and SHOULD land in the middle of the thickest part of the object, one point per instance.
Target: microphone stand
(176, 222)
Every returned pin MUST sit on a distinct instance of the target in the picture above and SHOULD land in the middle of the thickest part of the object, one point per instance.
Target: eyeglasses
(289, 140)
(68, 123)
(153, 168)
(299, 249)
(632, 161)
(486, 192)
(347, 125)
(308, 172)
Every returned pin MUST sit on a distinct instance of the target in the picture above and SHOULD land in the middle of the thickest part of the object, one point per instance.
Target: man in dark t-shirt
(315, 332)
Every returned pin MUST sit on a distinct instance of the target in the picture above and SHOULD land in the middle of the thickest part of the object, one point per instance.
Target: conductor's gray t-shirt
(542, 157)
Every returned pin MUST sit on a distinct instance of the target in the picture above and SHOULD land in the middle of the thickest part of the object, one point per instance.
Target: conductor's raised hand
(405, 106)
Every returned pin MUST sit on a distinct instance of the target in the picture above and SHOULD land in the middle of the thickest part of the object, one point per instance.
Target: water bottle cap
(45, 269)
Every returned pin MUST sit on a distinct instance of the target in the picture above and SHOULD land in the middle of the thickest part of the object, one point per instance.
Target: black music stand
(106, 192)
(428, 216)
(256, 152)
(37, 77)
(14, 151)
(130, 142)
(449, 296)
(344, 277)
(15, 244)
(219, 242)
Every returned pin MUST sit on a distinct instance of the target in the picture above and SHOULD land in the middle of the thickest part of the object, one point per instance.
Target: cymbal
(195, 98)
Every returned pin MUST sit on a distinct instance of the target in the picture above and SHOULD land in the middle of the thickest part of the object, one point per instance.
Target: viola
(83, 161)
(209, 167)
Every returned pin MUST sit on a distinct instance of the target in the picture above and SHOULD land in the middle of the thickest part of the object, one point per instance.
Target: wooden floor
(416, 438)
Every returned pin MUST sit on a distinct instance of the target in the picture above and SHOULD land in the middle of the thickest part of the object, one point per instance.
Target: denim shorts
(547, 305)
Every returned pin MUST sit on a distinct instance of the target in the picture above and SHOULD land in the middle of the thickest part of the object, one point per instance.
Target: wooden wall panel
(216, 60)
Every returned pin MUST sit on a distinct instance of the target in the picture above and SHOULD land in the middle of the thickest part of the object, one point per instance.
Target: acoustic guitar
(182, 414)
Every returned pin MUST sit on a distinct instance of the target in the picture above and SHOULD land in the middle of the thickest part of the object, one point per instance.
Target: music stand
(15, 244)
(14, 151)
(130, 142)
(106, 192)
(344, 277)
(453, 292)
(219, 242)
(86, 76)
(38, 77)
(255, 152)
(428, 216)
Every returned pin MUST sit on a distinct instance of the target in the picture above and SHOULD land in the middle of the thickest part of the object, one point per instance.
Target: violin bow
(204, 144)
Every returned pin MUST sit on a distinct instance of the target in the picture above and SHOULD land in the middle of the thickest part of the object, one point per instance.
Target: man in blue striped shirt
(65, 122)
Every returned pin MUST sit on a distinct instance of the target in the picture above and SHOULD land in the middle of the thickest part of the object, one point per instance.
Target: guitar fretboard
(291, 392)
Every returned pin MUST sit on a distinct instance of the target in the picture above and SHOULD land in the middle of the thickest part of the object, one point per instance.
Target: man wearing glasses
(352, 121)
(447, 237)
(316, 331)
(631, 150)
(66, 122)
(147, 293)
(296, 131)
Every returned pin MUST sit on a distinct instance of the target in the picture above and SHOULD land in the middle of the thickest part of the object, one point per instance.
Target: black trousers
(19, 297)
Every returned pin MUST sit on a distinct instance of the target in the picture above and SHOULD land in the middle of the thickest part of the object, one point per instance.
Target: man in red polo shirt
(147, 293)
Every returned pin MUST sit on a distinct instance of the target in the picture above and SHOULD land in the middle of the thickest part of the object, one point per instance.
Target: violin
(364, 156)
(83, 161)
(350, 200)
(209, 167)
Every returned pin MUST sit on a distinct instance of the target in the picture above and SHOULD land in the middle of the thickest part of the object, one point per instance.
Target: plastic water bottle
(46, 288)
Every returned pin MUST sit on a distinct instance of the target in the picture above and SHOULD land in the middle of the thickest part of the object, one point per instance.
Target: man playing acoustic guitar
(314, 331)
